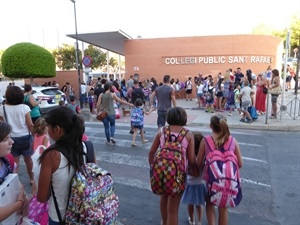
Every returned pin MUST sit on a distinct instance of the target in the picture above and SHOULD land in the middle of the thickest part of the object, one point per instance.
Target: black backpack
(137, 93)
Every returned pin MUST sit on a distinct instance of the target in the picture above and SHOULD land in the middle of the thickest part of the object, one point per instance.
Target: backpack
(222, 175)
(253, 113)
(209, 95)
(168, 171)
(137, 93)
(137, 116)
(91, 197)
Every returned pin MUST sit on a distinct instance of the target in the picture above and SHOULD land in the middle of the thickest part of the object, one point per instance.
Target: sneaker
(212, 111)
(190, 221)
(243, 120)
(113, 141)
(109, 143)
(133, 144)
(145, 141)
(241, 114)
(131, 132)
(229, 114)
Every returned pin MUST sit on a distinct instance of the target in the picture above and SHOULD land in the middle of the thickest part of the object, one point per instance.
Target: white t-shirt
(16, 118)
(200, 89)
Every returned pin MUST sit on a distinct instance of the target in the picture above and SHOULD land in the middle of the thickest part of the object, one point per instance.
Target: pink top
(38, 140)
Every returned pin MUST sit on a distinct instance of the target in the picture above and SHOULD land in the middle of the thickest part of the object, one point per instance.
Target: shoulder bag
(275, 91)
(102, 113)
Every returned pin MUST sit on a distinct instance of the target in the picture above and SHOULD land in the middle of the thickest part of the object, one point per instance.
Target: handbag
(275, 91)
(37, 211)
(265, 90)
(101, 115)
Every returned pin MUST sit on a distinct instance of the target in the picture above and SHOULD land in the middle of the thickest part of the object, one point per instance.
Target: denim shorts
(245, 105)
(140, 127)
(22, 146)
(274, 98)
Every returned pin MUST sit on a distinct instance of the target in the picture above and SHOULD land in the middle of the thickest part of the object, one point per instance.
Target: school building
(182, 57)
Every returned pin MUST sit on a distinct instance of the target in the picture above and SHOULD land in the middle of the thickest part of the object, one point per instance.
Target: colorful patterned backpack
(137, 116)
(168, 172)
(222, 174)
(92, 199)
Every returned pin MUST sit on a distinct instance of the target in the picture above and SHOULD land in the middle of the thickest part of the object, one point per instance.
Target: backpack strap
(211, 144)
(168, 136)
(56, 207)
(90, 155)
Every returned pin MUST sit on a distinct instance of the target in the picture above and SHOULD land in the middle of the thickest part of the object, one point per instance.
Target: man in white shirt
(83, 94)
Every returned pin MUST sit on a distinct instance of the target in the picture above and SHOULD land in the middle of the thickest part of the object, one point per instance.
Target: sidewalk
(198, 117)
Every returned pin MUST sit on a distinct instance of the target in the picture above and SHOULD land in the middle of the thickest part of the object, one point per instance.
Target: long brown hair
(220, 127)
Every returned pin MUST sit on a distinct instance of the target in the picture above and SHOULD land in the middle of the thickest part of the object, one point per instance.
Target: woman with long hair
(106, 101)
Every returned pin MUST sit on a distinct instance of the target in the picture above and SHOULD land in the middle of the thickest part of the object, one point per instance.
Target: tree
(98, 57)
(27, 60)
(66, 57)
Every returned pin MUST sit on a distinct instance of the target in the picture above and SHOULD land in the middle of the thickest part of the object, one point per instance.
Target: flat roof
(112, 41)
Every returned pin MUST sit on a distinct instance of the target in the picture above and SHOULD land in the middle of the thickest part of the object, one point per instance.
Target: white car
(50, 97)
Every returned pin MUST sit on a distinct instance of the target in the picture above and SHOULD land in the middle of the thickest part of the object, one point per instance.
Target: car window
(48, 92)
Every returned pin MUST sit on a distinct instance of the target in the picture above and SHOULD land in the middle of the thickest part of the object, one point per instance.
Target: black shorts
(288, 79)
(188, 91)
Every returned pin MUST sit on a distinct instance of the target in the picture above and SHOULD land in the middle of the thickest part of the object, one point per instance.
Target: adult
(129, 82)
(260, 100)
(106, 101)
(238, 76)
(227, 85)
(18, 116)
(83, 94)
(7, 167)
(275, 83)
(219, 94)
(33, 104)
(188, 89)
(288, 78)
(268, 74)
(165, 96)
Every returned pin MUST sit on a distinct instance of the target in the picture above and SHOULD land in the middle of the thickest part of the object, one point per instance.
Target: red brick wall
(149, 54)
(61, 78)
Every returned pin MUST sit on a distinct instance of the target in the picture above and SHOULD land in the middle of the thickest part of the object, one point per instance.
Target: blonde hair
(219, 126)
(39, 126)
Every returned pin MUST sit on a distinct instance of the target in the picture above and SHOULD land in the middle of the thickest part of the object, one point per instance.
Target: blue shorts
(140, 127)
(22, 146)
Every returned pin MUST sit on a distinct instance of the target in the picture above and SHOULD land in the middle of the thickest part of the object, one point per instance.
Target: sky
(46, 22)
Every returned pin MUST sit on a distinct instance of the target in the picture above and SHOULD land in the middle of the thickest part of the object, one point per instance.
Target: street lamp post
(77, 49)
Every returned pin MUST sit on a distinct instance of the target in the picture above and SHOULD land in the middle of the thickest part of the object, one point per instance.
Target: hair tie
(74, 118)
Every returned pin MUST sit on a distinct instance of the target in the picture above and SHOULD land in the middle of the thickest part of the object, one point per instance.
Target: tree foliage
(27, 60)
(294, 32)
(65, 57)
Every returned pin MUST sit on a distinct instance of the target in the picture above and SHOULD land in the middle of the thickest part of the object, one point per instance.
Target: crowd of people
(23, 128)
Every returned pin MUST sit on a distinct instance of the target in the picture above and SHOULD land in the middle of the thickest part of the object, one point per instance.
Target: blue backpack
(137, 116)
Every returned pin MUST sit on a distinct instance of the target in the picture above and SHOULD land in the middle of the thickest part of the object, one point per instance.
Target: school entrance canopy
(112, 41)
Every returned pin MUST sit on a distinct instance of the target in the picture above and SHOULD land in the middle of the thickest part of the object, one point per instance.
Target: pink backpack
(222, 174)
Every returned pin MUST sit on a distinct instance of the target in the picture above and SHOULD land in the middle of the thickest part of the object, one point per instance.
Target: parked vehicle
(50, 97)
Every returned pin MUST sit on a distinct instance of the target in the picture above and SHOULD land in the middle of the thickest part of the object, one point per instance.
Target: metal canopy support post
(287, 47)
(77, 49)
(297, 55)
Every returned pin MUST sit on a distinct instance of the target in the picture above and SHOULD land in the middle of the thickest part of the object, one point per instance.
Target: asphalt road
(270, 176)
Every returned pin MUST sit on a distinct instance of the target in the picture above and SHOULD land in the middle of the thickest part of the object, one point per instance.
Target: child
(230, 100)
(40, 132)
(245, 96)
(237, 102)
(200, 89)
(220, 135)
(195, 190)
(72, 105)
(176, 118)
(6, 167)
(137, 120)
(60, 161)
(91, 100)
(210, 98)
